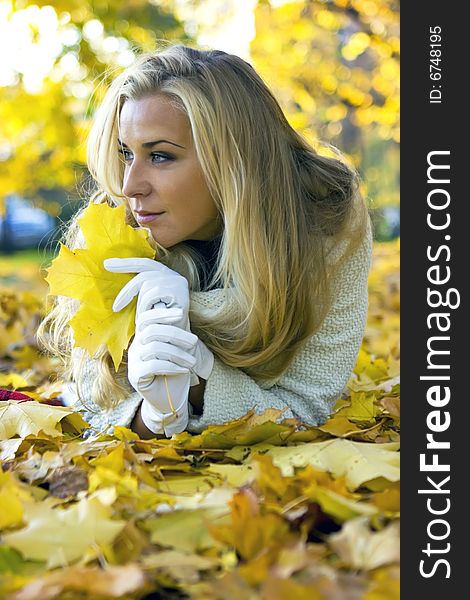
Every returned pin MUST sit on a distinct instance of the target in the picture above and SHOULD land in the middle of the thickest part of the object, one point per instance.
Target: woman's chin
(162, 240)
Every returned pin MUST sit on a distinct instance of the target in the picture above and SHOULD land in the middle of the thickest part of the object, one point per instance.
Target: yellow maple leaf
(61, 536)
(31, 417)
(362, 407)
(80, 274)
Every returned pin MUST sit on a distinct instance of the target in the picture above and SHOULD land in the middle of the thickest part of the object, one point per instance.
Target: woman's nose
(135, 182)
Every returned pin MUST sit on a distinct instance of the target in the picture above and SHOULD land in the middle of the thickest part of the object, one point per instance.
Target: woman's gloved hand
(164, 358)
(164, 295)
(158, 368)
(154, 283)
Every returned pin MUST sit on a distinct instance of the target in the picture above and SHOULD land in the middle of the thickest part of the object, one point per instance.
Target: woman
(259, 295)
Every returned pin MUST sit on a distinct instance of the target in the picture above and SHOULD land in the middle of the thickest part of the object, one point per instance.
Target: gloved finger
(152, 288)
(164, 351)
(156, 367)
(135, 265)
(129, 291)
(161, 315)
(194, 379)
(153, 292)
(168, 334)
(204, 360)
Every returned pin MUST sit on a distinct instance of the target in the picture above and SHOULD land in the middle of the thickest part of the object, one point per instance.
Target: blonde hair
(283, 206)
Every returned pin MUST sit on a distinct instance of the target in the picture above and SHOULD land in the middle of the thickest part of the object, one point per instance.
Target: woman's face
(162, 173)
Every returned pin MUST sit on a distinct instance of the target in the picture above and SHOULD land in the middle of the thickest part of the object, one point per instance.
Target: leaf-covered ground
(248, 510)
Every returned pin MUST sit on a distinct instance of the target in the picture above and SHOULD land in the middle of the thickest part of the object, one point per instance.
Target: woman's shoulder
(350, 272)
(360, 255)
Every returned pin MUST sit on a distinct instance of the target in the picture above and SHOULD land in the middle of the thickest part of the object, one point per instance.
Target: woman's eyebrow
(150, 144)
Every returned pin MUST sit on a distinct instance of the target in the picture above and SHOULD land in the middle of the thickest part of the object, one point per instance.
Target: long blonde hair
(284, 210)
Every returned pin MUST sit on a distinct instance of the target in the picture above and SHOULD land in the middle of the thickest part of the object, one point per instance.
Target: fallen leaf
(361, 408)
(388, 500)
(249, 429)
(385, 584)
(359, 462)
(339, 426)
(276, 588)
(61, 536)
(31, 417)
(250, 531)
(184, 530)
(67, 481)
(360, 548)
(216, 497)
(12, 380)
(111, 582)
(8, 448)
(233, 475)
(13, 497)
(182, 567)
(341, 508)
(392, 405)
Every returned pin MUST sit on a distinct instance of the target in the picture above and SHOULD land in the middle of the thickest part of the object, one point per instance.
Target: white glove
(163, 349)
(154, 284)
(158, 368)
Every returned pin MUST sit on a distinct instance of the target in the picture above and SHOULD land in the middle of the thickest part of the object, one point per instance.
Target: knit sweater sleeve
(315, 379)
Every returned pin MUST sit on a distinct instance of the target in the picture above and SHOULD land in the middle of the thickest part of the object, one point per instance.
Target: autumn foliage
(249, 509)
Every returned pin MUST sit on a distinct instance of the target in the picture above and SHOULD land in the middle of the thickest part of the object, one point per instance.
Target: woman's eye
(125, 154)
(157, 157)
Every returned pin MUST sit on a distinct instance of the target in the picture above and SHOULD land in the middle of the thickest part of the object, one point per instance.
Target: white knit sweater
(308, 389)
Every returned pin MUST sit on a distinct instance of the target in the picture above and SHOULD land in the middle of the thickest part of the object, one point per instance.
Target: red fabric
(10, 395)
(19, 397)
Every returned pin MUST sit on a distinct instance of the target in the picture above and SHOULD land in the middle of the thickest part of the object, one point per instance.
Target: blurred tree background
(332, 64)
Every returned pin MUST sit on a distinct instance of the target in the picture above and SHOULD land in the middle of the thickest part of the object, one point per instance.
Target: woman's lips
(147, 217)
